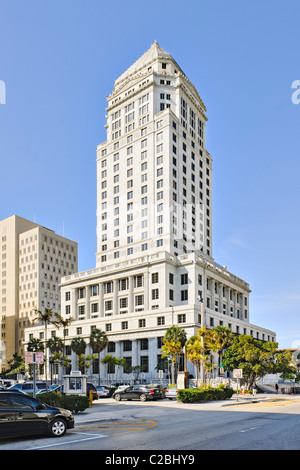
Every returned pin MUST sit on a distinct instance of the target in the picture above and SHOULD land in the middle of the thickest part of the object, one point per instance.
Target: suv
(91, 387)
(27, 387)
(24, 415)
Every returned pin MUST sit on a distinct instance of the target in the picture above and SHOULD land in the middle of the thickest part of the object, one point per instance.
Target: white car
(102, 392)
(171, 393)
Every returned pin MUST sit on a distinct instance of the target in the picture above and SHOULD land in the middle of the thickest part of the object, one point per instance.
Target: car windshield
(40, 386)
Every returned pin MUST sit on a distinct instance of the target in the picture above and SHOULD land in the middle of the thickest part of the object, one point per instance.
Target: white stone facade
(154, 224)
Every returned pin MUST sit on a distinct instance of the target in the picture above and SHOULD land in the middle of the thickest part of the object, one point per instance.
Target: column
(74, 309)
(101, 300)
(146, 290)
(115, 299)
(87, 302)
(130, 295)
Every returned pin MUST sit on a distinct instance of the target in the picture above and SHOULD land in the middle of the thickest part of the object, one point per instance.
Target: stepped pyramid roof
(155, 52)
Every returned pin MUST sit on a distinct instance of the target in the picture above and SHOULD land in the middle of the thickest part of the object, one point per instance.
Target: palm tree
(55, 345)
(204, 336)
(173, 342)
(16, 365)
(47, 319)
(62, 322)
(194, 349)
(78, 345)
(110, 360)
(35, 345)
(221, 337)
(98, 342)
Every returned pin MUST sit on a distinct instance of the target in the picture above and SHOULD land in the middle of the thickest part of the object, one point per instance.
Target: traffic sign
(237, 373)
(34, 357)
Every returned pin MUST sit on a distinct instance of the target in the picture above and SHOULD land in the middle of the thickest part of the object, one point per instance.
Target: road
(271, 425)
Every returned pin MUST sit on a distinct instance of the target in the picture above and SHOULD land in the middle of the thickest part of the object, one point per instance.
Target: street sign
(237, 373)
(34, 357)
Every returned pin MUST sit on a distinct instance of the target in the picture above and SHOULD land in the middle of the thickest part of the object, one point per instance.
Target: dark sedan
(137, 392)
(23, 415)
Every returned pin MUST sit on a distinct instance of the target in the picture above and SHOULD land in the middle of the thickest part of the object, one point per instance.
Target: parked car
(171, 393)
(121, 387)
(160, 387)
(137, 392)
(21, 414)
(102, 392)
(91, 387)
(52, 388)
(27, 387)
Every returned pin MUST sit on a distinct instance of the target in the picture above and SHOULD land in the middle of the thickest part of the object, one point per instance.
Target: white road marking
(250, 429)
(99, 436)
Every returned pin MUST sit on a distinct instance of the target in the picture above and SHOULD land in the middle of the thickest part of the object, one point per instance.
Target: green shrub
(50, 398)
(73, 403)
(198, 395)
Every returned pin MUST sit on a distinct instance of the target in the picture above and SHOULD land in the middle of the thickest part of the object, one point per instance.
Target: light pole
(200, 299)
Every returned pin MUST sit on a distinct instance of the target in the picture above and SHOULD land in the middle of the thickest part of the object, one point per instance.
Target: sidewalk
(101, 412)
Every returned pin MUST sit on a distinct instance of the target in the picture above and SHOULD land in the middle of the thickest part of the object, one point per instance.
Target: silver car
(171, 393)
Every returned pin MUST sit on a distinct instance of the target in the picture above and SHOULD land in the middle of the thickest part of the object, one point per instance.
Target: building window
(95, 290)
(123, 284)
(155, 294)
(94, 308)
(155, 278)
(184, 279)
(108, 305)
(182, 318)
(127, 345)
(144, 344)
(139, 300)
(123, 302)
(124, 325)
(138, 281)
(144, 362)
(142, 323)
(81, 293)
(184, 295)
(81, 309)
(160, 321)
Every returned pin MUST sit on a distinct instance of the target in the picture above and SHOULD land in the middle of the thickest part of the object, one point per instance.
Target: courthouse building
(154, 260)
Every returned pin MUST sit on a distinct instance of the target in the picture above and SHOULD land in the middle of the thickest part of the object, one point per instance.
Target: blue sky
(59, 61)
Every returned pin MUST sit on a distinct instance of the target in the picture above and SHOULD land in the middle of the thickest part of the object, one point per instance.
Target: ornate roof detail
(151, 55)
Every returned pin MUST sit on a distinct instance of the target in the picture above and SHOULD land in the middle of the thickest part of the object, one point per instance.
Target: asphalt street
(266, 422)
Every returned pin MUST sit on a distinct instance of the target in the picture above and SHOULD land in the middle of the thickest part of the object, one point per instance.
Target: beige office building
(154, 260)
(33, 260)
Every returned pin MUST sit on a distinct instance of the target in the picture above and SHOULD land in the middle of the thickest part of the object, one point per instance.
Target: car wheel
(143, 397)
(118, 397)
(57, 427)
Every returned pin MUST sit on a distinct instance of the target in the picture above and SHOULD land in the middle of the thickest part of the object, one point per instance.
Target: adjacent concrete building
(154, 260)
(33, 260)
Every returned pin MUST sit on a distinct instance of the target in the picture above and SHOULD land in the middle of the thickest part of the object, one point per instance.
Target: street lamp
(200, 299)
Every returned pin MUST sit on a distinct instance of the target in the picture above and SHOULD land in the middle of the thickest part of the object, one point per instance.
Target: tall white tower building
(154, 173)
(154, 260)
